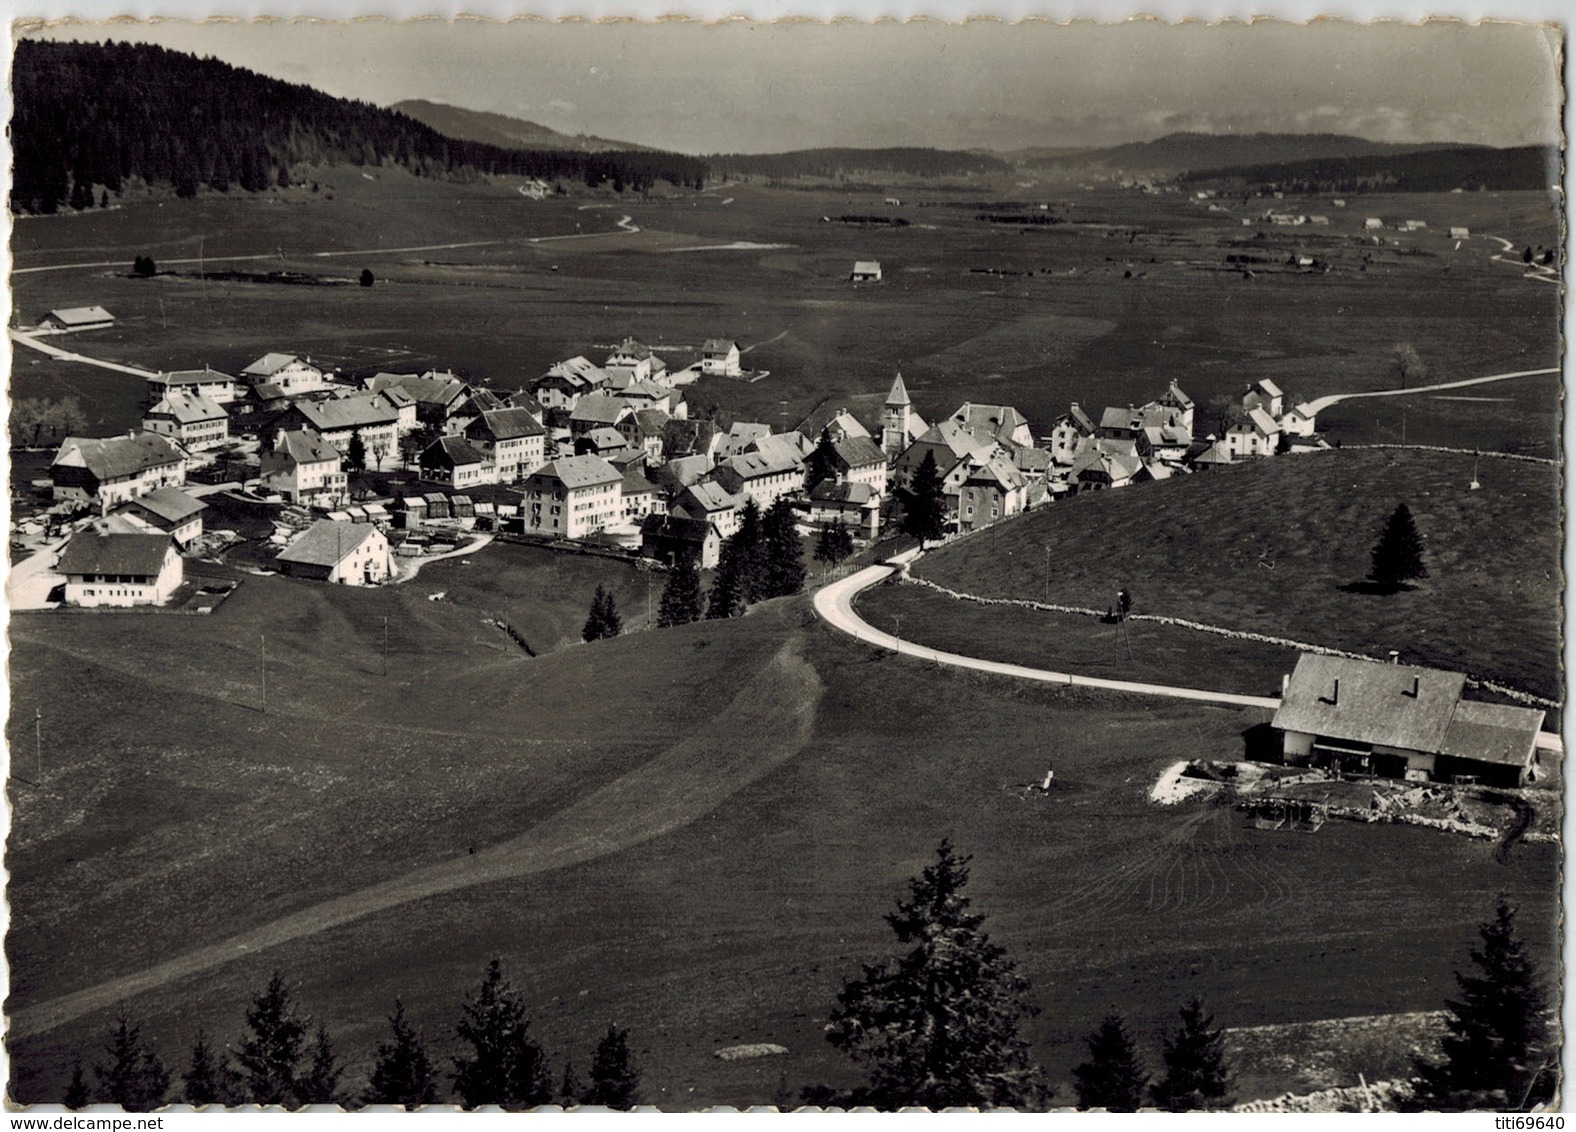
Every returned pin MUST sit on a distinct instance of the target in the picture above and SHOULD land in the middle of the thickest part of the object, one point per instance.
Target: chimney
(1335, 696)
(1417, 683)
(1285, 682)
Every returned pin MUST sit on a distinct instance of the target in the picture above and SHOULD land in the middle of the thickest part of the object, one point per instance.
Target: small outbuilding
(866, 271)
(115, 569)
(78, 318)
(352, 554)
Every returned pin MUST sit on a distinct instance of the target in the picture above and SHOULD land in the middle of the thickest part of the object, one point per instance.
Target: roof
(435, 389)
(958, 440)
(360, 410)
(632, 348)
(90, 552)
(575, 371)
(858, 452)
(1028, 459)
(327, 543)
(635, 482)
(651, 421)
(270, 364)
(829, 491)
(599, 408)
(186, 408)
(1268, 388)
(645, 391)
(452, 451)
(1079, 418)
(753, 465)
(1492, 733)
(710, 496)
(204, 376)
(580, 471)
(523, 400)
(396, 396)
(718, 346)
(505, 424)
(305, 446)
(81, 316)
(899, 392)
(1117, 417)
(999, 471)
(740, 435)
(116, 457)
(680, 527)
(1374, 705)
(1175, 395)
(866, 266)
(1263, 422)
(481, 401)
(171, 504)
(605, 437)
(783, 447)
(1000, 421)
(687, 470)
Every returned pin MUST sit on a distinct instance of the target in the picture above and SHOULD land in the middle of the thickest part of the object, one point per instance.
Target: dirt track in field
(772, 715)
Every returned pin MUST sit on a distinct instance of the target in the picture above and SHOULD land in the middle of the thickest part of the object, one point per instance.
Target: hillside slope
(1185, 151)
(1281, 547)
(500, 129)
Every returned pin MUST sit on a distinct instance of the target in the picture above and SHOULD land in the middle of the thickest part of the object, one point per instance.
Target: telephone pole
(38, 741)
(385, 646)
(264, 658)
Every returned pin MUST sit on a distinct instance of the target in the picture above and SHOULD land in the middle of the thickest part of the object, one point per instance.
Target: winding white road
(1322, 403)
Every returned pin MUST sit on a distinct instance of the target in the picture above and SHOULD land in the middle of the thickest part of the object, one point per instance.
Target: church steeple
(895, 419)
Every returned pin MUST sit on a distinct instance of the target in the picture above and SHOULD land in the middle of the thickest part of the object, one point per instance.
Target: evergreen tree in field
(270, 1053)
(1397, 557)
(208, 1079)
(749, 548)
(819, 466)
(1498, 1051)
(783, 568)
(506, 1066)
(615, 1081)
(603, 620)
(572, 1090)
(367, 278)
(132, 1076)
(320, 1083)
(682, 601)
(924, 502)
(144, 267)
(77, 1095)
(727, 597)
(1113, 1078)
(356, 453)
(402, 1073)
(938, 1025)
(1195, 1060)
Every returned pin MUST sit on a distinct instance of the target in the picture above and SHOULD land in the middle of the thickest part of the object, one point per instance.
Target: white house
(304, 468)
(1298, 421)
(1258, 435)
(1068, 434)
(454, 461)
(190, 418)
(351, 554)
(339, 419)
(866, 271)
(764, 478)
(169, 511)
(511, 439)
(572, 497)
(857, 459)
(291, 374)
(634, 361)
(110, 470)
(992, 491)
(1264, 395)
(719, 358)
(78, 318)
(119, 569)
(217, 387)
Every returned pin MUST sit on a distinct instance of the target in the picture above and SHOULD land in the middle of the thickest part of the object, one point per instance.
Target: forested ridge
(914, 161)
(90, 117)
(1527, 167)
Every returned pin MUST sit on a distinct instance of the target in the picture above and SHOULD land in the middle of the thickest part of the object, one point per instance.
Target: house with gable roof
(1264, 395)
(169, 511)
(572, 497)
(210, 383)
(112, 469)
(305, 468)
(331, 550)
(857, 459)
(512, 440)
(1258, 435)
(567, 381)
(720, 358)
(190, 418)
(78, 318)
(338, 419)
(455, 462)
(991, 492)
(1071, 429)
(711, 501)
(1001, 423)
(290, 373)
(119, 569)
(634, 361)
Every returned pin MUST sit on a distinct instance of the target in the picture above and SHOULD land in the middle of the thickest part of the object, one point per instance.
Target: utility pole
(1047, 575)
(897, 633)
(264, 668)
(385, 646)
(38, 741)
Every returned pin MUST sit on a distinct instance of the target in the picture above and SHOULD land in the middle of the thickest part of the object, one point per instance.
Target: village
(357, 475)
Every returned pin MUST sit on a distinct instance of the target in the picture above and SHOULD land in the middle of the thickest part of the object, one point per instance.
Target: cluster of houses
(609, 452)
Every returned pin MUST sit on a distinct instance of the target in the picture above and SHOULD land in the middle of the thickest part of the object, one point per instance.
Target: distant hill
(501, 130)
(910, 161)
(89, 116)
(1183, 152)
(1429, 171)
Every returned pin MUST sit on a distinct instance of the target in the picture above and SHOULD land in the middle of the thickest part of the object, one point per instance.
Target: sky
(742, 86)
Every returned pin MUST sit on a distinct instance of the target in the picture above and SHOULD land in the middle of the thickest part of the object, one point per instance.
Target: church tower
(895, 419)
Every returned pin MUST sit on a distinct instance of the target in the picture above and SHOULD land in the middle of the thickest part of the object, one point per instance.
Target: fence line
(1198, 626)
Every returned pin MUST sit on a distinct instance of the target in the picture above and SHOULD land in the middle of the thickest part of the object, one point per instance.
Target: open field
(151, 836)
(1057, 321)
(1276, 546)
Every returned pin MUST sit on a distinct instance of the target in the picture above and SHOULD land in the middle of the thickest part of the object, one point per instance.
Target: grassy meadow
(693, 832)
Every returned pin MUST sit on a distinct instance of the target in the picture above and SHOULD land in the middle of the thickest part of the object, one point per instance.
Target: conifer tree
(1113, 1078)
(939, 1024)
(835, 543)
(77, 1095)
(682, 601)
(356, 453)
(269, 1055)
(402, 1073)
(1195, 1060)
(208, 1079)
(506, 1066)
(603, 620)
(615, 1082)
(1398, 555)
(925, 502)
(320, 1083)
(820, 465)
(749, 548)
(727, 597)
(132, 1076)
(571, 1091)
(783, 569)
(1498, 1052)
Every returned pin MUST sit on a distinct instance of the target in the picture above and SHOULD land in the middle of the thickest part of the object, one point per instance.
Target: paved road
(834, 604)
(28, 584)
(22, 338)
(700, 772)
(1323, 403)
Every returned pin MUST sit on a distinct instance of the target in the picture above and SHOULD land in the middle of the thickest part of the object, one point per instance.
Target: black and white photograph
(680, 563)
